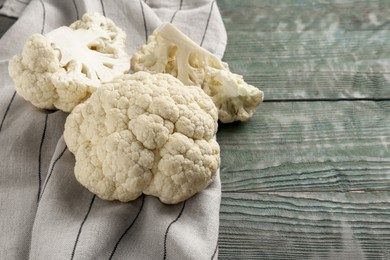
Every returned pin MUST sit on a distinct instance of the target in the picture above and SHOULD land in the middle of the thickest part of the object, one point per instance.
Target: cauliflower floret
(145, 133)
(170, 51)
(62, 68)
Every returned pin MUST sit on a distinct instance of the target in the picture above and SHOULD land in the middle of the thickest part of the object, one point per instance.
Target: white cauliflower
(144, 133)
(62, 68)
(170, 51)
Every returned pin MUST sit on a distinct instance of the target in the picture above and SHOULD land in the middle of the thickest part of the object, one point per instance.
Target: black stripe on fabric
(40, 158)
(143, 16)
(166, 232)
(215, 252)
(43, 17)
(76, 9)
(174, 14)
(81, 226)
(207, 23)
(128, 228)
(7, 110)
(51, 171)
(103, 9)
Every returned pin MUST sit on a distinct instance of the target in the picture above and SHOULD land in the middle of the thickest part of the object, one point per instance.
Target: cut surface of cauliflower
(63, 67)
(168, 50)
(144, 133)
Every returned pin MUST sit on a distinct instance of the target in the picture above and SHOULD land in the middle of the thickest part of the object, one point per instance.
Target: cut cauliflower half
(168, 50)
(63, 67)
(145, 133)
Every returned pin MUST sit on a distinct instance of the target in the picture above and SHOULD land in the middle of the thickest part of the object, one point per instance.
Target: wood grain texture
(308, 146)
(308, 177)
(310, 49)
(321, 225)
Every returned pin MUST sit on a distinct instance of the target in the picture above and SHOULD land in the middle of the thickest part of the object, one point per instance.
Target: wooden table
(309, 176)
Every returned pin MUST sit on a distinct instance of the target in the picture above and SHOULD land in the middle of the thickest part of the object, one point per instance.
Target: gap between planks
(325, 100)
(305, 191)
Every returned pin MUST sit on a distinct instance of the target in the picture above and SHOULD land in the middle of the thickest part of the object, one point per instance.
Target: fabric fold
(46, 213)
(13, 8)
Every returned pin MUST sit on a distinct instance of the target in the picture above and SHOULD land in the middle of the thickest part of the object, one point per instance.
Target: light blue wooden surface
(309, 176)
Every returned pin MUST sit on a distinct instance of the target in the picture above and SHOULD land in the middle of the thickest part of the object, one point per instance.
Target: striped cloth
(44, 212)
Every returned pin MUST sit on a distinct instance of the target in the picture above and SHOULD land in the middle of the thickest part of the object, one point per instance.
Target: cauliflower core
(170, 51)
(144, 133)
(62, 68)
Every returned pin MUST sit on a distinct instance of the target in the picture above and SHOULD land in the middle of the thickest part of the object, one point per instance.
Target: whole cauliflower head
(62, 68)
(168, 50)
(144, 133)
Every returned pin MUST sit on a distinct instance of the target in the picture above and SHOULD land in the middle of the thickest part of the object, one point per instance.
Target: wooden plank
(308, 146)
(310, 49)
(321, 158)
(321, 225)
(272, 15)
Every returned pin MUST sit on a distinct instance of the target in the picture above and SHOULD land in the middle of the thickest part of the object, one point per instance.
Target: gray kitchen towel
(44, 212)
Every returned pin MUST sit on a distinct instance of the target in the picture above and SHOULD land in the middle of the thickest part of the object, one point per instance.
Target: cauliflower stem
(62, 68)
(168, 50)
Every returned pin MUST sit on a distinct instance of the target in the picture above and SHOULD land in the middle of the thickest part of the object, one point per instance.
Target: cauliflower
(63, 67)
(170, 51)
(144, 133)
